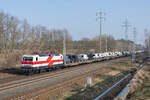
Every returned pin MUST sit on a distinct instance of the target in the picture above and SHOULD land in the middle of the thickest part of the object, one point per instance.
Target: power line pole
(64, 47)
(126, 25)
(147, 40)
(64, 44)
(100, 17)
(106, 42)
(134, 45)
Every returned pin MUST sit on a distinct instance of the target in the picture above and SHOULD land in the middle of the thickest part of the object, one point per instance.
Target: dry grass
(140, 90)
(11, 58)
(112, 73)
(142, 93)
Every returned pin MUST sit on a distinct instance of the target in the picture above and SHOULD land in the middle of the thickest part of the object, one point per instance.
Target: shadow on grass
(15, 71)
(123, 71)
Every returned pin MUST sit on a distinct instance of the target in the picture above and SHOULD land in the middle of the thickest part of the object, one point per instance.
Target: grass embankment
(142, 92)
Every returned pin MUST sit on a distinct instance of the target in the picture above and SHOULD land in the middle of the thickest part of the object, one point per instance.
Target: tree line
(20, 35)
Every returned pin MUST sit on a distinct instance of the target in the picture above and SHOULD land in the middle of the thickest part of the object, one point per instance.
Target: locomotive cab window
(61, 57)
(36, 58)
(27, 58)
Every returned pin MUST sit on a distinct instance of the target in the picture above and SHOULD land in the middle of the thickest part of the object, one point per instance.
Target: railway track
(36, 76)
(28, 81)
(111, 92)
(77, 71)
(60, 87)
(71, 65)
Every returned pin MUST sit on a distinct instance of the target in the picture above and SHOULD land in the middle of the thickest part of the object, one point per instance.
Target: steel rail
(116, 84)
(26, 82)
(109, 89)
(35, 77)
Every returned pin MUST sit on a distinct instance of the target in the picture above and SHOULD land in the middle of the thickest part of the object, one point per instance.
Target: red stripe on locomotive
(49, 60)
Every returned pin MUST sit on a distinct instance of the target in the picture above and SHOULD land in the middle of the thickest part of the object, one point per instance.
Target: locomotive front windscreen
(27, 58)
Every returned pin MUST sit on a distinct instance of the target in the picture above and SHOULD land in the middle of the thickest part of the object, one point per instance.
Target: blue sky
(79, 16)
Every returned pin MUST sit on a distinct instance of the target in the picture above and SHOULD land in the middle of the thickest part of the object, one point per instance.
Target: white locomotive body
(33, 62)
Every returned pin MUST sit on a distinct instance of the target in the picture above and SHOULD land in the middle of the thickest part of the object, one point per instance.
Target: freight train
(36, 63)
